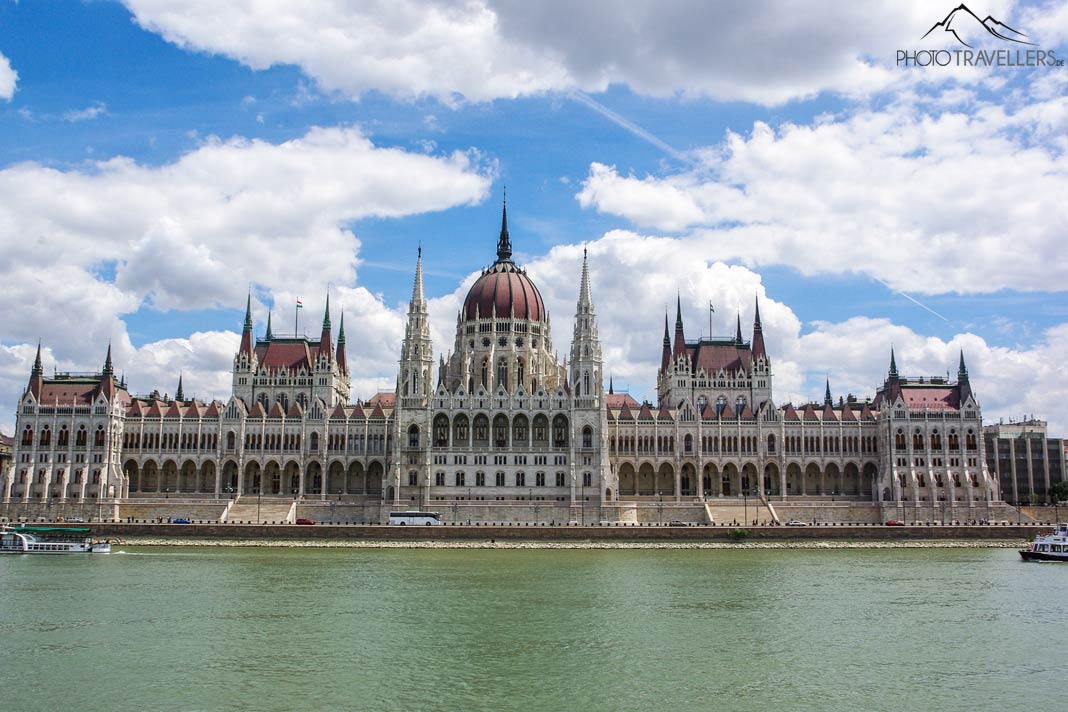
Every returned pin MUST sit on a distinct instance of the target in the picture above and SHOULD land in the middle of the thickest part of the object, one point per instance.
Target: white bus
(414, 518)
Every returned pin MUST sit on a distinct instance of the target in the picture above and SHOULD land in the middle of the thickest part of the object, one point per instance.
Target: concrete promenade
(252, 532)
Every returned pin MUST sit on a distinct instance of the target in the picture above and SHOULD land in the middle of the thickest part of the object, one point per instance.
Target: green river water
(337, 629)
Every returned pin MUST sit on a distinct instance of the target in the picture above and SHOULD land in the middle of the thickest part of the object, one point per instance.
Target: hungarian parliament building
(499, 423)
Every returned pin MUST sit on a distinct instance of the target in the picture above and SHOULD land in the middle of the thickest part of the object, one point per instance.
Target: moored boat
(50, 540)
(1048, 547)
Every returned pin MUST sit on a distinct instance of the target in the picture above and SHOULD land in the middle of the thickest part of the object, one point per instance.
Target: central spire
(504, 243)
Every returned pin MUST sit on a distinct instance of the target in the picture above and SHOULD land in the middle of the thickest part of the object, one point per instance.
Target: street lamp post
(259, 492)
(660, 508)
(745, 506)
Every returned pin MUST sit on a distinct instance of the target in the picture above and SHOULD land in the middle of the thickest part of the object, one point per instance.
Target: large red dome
(506, 288)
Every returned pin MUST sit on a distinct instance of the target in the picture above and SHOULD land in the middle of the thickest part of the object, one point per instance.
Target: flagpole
(296, 320)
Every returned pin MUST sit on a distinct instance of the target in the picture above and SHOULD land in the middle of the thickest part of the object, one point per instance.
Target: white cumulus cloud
(930, 200)
(769, 52)
(8, 79)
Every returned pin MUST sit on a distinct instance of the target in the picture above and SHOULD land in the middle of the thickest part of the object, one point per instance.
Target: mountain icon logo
(965, 25)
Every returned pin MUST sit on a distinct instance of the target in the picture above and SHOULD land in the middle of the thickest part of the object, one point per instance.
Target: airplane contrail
(628, 125)
(915, 301)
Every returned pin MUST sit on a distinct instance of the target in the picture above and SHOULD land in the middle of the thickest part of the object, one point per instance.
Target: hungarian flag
(299, 304)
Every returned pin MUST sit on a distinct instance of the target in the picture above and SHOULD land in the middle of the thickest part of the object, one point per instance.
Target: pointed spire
(893, 365)
(417, 287)
(680, 337)
(611, 389)
(665, 357)
(179, 395)
(342, 361)
(827, 400)
(109, 370)
(246, 332)
(758, 335)
(326, 344)
(738, 333)
(962, 370)
(504, 243)
(36, 383)
(269, 334)
(585, 303)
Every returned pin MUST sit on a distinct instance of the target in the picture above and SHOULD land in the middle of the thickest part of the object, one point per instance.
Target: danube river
(150, 628)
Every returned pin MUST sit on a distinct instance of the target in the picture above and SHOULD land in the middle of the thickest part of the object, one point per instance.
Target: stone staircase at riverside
(268, 509)
(729, 512)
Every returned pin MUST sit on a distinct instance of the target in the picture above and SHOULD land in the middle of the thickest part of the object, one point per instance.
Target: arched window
(231, 440)
(559, 431)
(917, 440)
(302, 398)
(485, 374)
(587, 437)
(98, 439)
(502, 373)
(283, 400)
(771, 444)
(586, 382)
(413, 436)
(46, 437)
(520, 373)
(264, 401)
(313, 442)
(687, 443)
(64, 437)
(27, 436)
(899, 439)
(969, 440)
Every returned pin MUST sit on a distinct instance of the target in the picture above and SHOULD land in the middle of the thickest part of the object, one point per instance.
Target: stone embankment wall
(565, 533)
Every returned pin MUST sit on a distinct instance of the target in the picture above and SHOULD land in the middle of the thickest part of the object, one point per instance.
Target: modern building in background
(1025, 460)
(503, 423)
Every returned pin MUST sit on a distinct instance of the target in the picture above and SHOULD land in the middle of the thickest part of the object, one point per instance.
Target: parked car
(76, 520)
(677, 523)
(796, 523)
(181, 520)
(305, 521)
(894, 523)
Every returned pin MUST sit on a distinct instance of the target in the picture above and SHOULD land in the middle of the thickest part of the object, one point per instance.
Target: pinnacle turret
(827, 400)
(893, 365)
(680, 337)
(179, 395)
(109, 370)
(269, 334)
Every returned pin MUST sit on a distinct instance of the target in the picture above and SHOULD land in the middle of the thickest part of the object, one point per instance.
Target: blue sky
(156, 85)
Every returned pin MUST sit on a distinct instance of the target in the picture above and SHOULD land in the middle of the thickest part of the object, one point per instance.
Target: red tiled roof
(276, 411)
(378, 412)
(257, 410)
(809, 412)
(664, 414)
(828, 413)
(847, 413)
(291, 354)
(67, 393)
(384, 398)
(616, 400)
(789, 413)
(212, 411)
(338, 412)
(646, 413)
(295, 411)
(712, 356)
(625, 412)
(931, 397)
(727, 413)
(747, 412)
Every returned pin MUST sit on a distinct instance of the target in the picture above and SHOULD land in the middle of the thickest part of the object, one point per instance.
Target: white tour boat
(1048, 547)
(50, 540)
